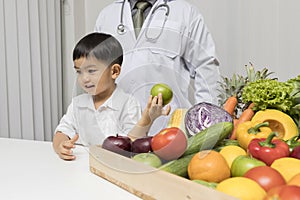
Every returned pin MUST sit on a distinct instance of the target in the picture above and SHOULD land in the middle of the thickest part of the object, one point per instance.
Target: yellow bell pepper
(249, 130)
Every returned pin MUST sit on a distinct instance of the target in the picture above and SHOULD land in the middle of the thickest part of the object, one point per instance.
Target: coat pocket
(163, 37)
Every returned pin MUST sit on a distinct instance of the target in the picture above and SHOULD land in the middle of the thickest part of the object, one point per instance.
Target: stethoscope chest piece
(121, 29)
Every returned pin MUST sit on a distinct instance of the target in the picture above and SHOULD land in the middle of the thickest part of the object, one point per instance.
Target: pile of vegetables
(265, 118)
(272, 94)
(260, 116)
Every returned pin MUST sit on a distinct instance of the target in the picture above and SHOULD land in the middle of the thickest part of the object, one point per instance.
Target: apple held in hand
(165, 90)
(148, 159)
(118, 144)
(169, 144)
(141, 145)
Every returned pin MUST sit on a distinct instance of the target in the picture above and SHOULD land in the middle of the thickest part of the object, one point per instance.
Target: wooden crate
(147, 182)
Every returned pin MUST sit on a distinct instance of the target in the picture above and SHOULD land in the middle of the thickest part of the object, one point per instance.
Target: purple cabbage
(203, 115)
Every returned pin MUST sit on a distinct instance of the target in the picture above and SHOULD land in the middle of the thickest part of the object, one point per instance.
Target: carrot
(246, 115)
(230, 104)
(233, 133)
(251, 105)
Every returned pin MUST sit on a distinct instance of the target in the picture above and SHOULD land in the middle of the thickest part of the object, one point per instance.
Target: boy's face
(93, 76)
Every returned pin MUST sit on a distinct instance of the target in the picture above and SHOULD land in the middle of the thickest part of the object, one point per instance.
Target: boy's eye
(92, 71)
(78, 71)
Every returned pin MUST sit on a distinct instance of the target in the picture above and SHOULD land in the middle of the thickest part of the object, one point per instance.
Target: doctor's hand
(64, 147)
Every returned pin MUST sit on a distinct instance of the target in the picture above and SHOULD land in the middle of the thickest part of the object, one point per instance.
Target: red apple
(142, 145)
(169, 143)
(118, 144)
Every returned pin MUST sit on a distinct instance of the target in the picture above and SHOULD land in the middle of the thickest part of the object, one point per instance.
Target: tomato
(284, 192)
(165, 90)
(169, 144)
(266, 177)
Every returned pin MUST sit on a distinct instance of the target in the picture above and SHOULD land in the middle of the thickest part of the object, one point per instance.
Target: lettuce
(269, 93)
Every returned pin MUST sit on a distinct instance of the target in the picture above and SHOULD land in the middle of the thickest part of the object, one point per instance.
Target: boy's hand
(65, 148)
(153, 110)
(155, 107)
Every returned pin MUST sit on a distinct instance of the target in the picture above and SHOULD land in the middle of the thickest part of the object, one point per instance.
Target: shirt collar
(114, 102)
(133, 2)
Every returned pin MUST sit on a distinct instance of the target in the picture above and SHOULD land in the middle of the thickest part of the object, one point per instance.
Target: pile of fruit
(248, 146)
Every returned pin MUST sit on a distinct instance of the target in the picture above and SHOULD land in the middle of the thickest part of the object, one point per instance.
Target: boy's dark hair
(102, 46)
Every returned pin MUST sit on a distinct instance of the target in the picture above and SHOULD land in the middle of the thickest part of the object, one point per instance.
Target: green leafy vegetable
(269, 93)
(295, 94)
(294, 112)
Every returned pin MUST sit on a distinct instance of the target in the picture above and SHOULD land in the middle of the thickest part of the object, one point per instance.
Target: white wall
(265, 33)
(93, 7)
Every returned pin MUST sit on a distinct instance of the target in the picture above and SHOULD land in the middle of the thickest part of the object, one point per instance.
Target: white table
(31, 170)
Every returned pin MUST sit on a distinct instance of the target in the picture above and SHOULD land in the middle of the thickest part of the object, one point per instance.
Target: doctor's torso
(152, 59)
(157, 60)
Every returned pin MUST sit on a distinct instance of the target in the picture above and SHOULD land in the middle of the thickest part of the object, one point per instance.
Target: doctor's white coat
(180, 53)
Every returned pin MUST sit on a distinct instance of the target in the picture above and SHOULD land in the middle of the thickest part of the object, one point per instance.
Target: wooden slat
(147, 182)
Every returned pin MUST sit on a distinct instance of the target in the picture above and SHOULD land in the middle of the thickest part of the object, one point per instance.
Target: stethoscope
(121, 27)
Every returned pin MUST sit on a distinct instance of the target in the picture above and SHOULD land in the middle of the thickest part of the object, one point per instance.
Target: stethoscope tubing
(121, 27)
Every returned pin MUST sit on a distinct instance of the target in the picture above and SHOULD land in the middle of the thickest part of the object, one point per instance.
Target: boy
(104, 109)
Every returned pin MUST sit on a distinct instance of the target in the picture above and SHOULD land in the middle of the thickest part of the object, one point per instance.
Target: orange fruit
(208, 165)
(295, 180)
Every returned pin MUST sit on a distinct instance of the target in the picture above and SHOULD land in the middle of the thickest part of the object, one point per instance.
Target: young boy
(104, 109)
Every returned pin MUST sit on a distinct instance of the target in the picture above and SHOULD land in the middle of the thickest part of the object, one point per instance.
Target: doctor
(173, 47)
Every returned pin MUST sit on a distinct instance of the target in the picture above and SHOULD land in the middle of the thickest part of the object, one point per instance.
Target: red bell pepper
(268, 150)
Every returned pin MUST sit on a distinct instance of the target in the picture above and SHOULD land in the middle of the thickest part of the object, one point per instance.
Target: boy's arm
(153, 110)
(63, 145)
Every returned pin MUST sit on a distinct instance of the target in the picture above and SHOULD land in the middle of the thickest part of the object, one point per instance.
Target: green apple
(148, 159)
(165, 90)
(243, 163)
